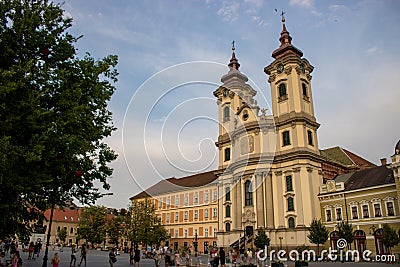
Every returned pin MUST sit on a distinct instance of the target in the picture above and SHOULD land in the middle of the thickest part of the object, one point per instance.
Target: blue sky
(353, 46)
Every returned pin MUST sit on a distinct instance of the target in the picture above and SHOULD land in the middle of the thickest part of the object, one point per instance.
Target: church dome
(397, 148)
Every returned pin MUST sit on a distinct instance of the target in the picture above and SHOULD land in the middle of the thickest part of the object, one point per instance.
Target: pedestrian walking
(222, 256)
(56, 260)
(31, 248)
(83, 254)
(73, 256)
(157, 256)
(112, 257)
(136, 257)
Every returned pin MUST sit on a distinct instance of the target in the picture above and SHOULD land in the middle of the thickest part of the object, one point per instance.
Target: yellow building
(367, 199)
(187, 207)
(269, 165)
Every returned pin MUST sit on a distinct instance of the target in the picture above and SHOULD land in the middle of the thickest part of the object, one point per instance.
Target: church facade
(269, 169)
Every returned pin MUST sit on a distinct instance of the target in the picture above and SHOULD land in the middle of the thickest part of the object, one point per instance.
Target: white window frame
(186, 217)
(195, 232)
(185, 233)
(387, 210)
(215, 232)
(205, 213)
(362, 210)
(206, 232)
(168, 202)
(176, 201)
(206, 197)
(159, 203)
(326, 215)
(167, 217)
(196, 214)
(176, 233)
(176, 216)
(196, 198)
(215, 195)
(186, 200)
(351, 210)
(341, 213)
(215, 213)
(380, 208)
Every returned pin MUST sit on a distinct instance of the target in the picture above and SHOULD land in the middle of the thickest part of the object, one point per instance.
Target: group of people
(15, 259)
(34, 250)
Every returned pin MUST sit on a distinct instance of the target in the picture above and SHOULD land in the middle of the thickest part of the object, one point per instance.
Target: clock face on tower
(226, 92)
(280, 68)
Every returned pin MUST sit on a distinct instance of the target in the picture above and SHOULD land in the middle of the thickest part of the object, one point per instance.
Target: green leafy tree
(143, 224)
(53, 115)
(261, 240)
(115, 228)
(346, 232)
(93, 224)
(62, 234)
(389, 237)
(317, 233)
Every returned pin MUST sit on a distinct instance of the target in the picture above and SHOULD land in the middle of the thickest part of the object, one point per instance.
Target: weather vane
(233, 45)
(283, 16)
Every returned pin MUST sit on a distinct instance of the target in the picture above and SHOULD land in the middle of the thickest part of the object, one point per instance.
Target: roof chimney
(383, 161)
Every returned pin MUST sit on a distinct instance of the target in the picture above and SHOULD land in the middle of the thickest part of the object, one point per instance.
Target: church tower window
(248, 194)
(291, 222)
(290, 204)
(227, 155)
(304, 87)
(282, 92)
(289, 183)
(227, 194)
(310, 138)
(228, 211)
(226, 114)
(286, 138)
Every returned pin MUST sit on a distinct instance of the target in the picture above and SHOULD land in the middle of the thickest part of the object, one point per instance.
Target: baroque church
(270, 168)
(272, 174)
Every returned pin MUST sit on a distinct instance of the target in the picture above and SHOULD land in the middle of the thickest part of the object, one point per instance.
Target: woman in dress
(56, 260)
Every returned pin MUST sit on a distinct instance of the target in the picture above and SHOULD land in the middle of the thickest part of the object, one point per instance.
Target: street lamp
(280, 242)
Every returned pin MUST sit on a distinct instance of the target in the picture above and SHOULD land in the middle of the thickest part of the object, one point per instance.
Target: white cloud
(372, 50)
(335, 8)
(229, 11)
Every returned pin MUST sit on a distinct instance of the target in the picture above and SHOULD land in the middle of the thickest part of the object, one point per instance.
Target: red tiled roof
(359, 161)
(66, 215)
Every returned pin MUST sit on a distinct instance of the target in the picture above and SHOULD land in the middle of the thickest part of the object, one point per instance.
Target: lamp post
(195, 244)
(280, 242)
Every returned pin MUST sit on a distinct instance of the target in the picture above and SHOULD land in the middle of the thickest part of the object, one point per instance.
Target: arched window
(282, 91)
(227, 227)
(248, 193)
(291, 223)
(290, 204)
(226, 114)
(228, 211)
